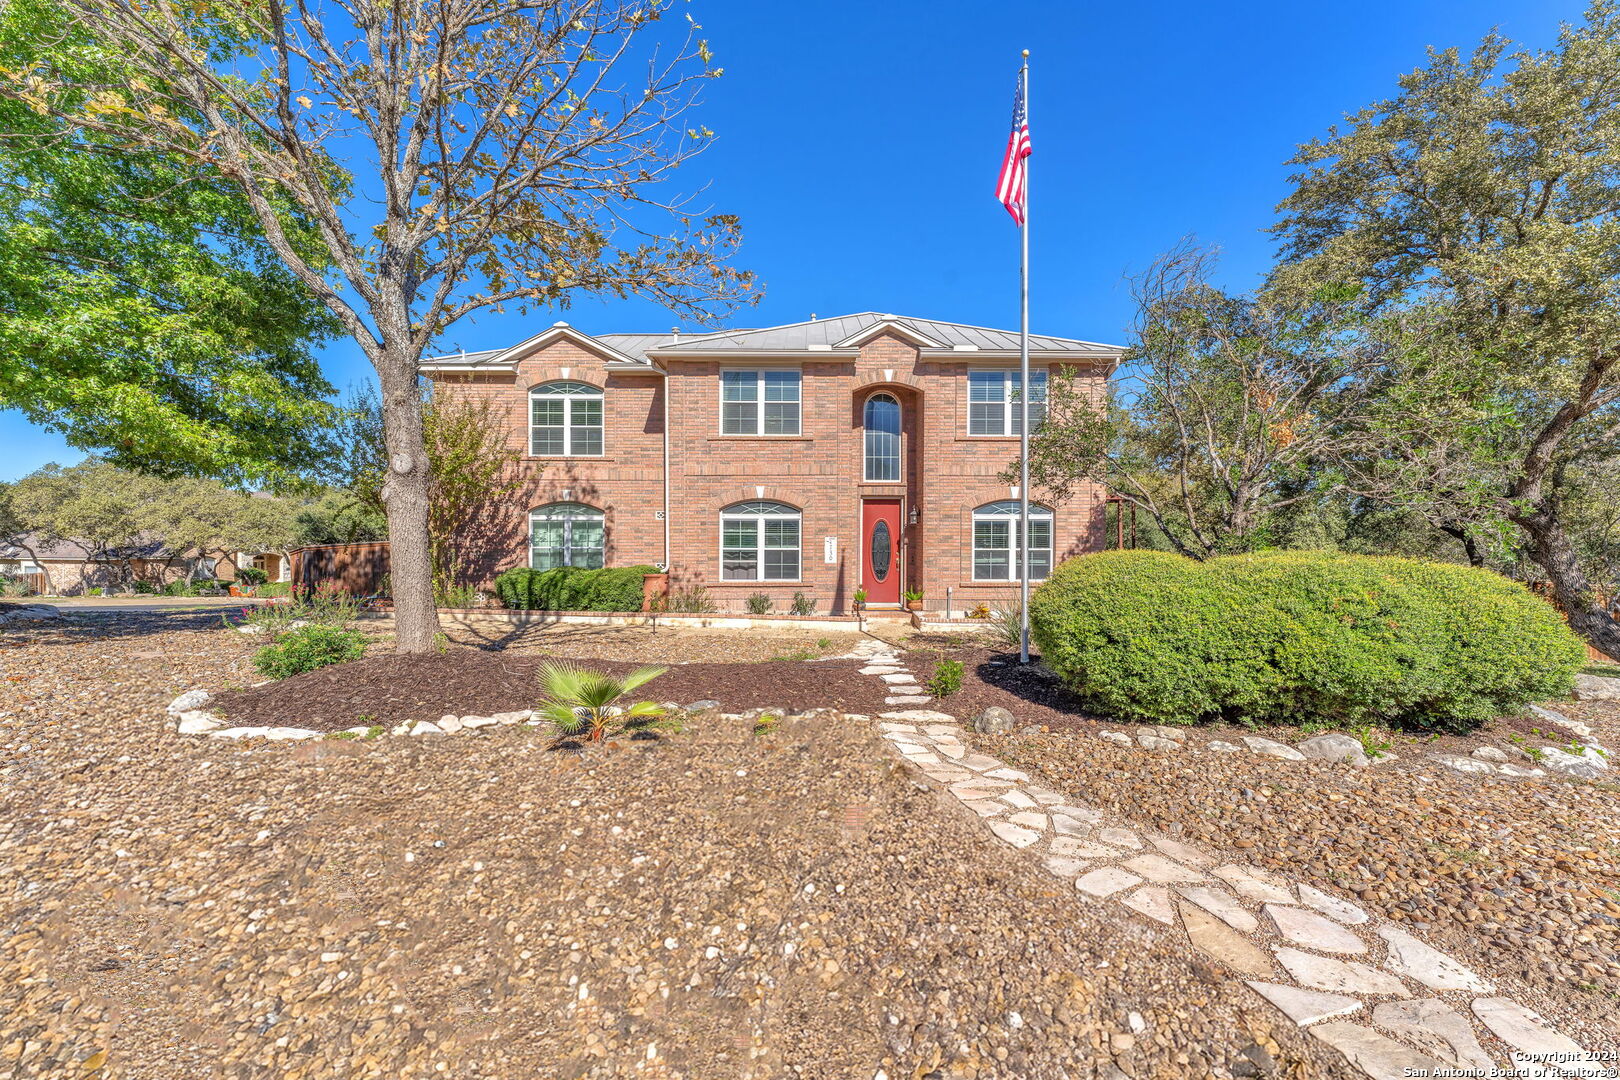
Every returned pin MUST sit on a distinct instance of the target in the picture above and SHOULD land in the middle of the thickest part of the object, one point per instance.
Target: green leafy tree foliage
(1476, 211)
(502, 153)
(95, 503)
(142, 314)
(1227, 408)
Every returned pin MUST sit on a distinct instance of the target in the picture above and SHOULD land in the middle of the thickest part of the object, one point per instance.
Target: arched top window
(759, 541)
(565, 420)
(566, 534)
(881, 419)
(995, 541)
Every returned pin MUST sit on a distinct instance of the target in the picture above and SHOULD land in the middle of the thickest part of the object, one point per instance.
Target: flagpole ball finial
(1026, 54)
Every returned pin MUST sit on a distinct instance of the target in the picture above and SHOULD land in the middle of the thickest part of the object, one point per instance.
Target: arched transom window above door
(881, 420)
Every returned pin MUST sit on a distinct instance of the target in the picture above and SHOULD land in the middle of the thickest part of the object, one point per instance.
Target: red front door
(880, 550)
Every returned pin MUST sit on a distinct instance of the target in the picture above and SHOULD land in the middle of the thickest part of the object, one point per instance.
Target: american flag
(1010, 185)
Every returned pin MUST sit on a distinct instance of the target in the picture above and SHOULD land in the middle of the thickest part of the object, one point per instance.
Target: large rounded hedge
(1293, 636)
(573, 588)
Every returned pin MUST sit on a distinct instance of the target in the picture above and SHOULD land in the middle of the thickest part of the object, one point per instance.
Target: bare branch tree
(452, 155)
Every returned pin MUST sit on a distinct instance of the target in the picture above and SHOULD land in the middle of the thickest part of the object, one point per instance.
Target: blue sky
(859, 142)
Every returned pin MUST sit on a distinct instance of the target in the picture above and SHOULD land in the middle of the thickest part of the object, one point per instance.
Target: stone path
(1387, 1001)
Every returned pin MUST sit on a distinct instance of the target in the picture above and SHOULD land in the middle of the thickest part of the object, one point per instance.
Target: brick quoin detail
(945, 472)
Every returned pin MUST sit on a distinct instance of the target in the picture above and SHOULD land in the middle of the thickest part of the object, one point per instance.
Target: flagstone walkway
(1387, 1001)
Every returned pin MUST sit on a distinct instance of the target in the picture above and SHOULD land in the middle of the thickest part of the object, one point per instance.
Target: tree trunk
(1470, 545)
(405, 494)
(1552, 551)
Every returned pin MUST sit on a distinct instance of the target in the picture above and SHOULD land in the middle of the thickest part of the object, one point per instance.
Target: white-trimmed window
(759, 541)
(995, 542)
(566, 534)
(881, 419)
(759, 402)
(565, 420)
(993, 401)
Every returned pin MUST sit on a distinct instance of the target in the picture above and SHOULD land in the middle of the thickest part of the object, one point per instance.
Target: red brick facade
(946, 473)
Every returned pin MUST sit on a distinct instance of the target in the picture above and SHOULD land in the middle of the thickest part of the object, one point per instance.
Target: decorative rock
(1305, 1006)
(1160, 870)
(1015, 835)
(1338, 976)
(1029, 819)
(1331, 906)
(1511, 769)
(1558, 718)
(1221, 746)
(979, 762)
(427, 727)
(1154, 902)
(1079, 813)
(919, 716)
(703, 705)
(1522, 1029)
(1253, 884)
(1223, 943)
(516, 717)
(274, 734)
(899, 678)
(1272, 748)
(1014, 775)
(189, 701)
(1335, 746)
(197, 722)
(1223, 907)
(1115, 737)
(1106, 881)
(907, 699)
(881, 669)
(1311, 930)
(1489, 753)
(1432, 1025)
(1378, 1057)
(1164, 731)
(1589, 766)
(1410, 957)
(1065, 868)
(1596, 688)
(449, 724)
(993, 721)
(1018, 799)
(986, 807)
(1153, 742)
(1462, 764)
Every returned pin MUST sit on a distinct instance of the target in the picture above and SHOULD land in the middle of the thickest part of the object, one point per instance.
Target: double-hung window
(759, 402)
(565, 420)
(759, 541)
(995, 542)
(993, 401)
(566, 534)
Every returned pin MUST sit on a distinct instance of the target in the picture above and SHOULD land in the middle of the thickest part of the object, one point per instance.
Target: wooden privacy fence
(361, 569)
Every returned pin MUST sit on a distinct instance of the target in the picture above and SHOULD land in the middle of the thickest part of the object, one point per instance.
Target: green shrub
(308, 648)
(146, 588)
(1295, 637)
(572, 588)
(802, 605)
(947, 678)
(693, 599)
(275, 588)
(759, 604)
(251, 575)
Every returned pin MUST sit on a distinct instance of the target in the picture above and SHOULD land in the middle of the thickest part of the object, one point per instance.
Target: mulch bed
(389, 689)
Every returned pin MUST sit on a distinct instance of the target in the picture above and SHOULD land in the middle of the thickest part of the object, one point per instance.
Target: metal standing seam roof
(819, 335)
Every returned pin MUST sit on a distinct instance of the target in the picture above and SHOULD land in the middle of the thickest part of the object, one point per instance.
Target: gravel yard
(710, 904)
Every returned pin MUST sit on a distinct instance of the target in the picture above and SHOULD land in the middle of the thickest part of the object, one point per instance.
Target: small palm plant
(579, 699)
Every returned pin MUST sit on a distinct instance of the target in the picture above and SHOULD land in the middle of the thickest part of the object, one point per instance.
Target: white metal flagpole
(1023, 402)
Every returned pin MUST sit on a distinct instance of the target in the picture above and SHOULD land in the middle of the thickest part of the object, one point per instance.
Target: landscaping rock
(198, 722)
(449, 723)
(1376, 1056)
(1154, 742)
(1305, 1006)
(1272, 748)
(188, 702)
(1522, 1029)
(427, 727)
(473, 723)
(1165, 731)
(1223, 906)
(1489, 753)
(1462, 764)
(1436, 1028)
(1225, 944)
(517, 717)
(1337, 976)
(1596, 688)
(993, 721)
(1331, 906)
(1312, 931)
(1560, 720)
(1335, 746)
(1223, 747)
(702, 706)
(1589, 766)
(1115, 737)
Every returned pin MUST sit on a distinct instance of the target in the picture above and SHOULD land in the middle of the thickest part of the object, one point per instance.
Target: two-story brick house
(819, 457)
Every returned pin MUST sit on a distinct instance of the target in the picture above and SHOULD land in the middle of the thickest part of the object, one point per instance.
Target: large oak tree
(494, 153)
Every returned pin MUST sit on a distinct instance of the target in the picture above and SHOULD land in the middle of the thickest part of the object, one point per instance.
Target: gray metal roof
(820, 335)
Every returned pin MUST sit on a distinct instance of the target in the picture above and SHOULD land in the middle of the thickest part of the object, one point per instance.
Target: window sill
(987, 438)
(762, 438)
(569, 457)
(996, 583)
(751, 584)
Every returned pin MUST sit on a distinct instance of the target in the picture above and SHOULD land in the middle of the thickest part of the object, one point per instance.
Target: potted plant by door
(914, 599)
(860, 601)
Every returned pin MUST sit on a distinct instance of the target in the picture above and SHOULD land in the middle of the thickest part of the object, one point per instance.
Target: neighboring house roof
(71, 550)
(842, 335)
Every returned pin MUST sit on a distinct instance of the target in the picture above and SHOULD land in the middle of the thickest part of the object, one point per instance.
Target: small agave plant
(579, 699)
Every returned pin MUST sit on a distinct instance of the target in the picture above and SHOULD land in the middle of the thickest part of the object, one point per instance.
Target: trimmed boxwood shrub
(1287, 637)
(308, 648)
(572, 588)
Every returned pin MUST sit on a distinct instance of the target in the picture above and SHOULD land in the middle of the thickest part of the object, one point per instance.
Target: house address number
(829, 549)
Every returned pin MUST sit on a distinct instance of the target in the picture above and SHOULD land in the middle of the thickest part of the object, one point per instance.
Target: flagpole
(1023, 402)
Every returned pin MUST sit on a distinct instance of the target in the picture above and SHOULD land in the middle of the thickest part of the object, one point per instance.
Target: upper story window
(993, 401)
(759, 541)
(762, 402)
(566, 534)
(565, 420)
(995, 542)
(881, 418)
